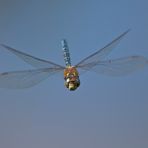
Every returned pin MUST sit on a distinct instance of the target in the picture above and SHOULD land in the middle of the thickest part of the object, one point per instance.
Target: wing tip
(126, 32)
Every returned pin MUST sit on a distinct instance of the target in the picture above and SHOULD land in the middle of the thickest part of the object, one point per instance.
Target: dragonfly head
(72, 84)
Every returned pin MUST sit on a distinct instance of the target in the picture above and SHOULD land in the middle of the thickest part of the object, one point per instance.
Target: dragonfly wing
(25, 79)
(118, 67)
(103, 52)
(34, 61)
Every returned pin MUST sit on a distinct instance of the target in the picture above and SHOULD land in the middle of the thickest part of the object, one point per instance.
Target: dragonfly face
(71, 76)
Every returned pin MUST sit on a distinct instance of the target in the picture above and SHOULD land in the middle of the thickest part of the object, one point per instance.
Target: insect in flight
(95, 62)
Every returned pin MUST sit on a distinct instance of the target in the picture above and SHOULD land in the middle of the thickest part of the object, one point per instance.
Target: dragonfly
(96, 62)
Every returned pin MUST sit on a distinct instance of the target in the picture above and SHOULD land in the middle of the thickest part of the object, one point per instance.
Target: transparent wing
(118, 67)
(102, 53)
(25, 79)
(34, 61)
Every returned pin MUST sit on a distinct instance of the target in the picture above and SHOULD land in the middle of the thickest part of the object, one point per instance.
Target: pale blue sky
(104, 112)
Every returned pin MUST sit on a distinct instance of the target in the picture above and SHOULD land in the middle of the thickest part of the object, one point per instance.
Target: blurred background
(105, 112)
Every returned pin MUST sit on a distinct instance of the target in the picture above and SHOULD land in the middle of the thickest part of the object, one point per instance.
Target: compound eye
(68, 80)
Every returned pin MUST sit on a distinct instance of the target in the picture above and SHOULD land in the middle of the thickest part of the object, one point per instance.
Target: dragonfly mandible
(95, 62)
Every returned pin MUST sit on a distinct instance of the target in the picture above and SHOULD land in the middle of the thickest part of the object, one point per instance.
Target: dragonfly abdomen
(66, 53)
